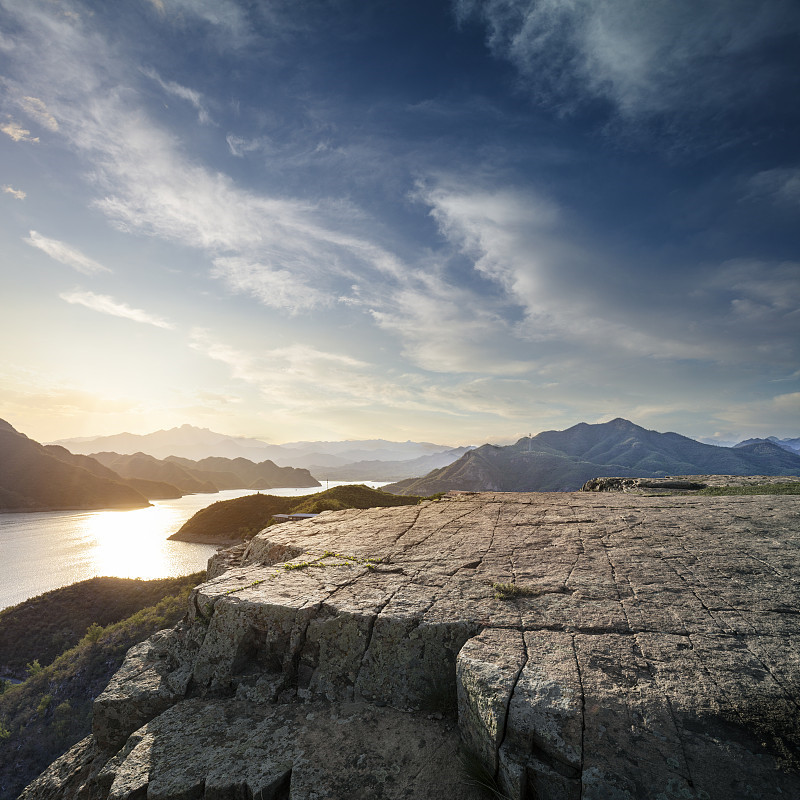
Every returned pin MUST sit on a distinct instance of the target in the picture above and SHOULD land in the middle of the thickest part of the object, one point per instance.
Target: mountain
(565, 460)
(792, 445)
(151, 489)
(186, 441)
(141, 466)
(240, 473)
(197, 444)
(388, 470)
(207, 475)
(36, 478)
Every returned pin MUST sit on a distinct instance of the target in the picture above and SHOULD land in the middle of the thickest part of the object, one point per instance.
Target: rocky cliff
(578, 645)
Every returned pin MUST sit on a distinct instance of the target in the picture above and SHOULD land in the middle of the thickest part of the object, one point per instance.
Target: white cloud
(146, 183)
(108, 305)
(16, 193)
(65, 253)
(765, 417)
(224, 16)
(773, 289)
(17, 132)
(646, 58)
(302, 379)
(782, 185)
(519, 241)
(449, 330)
(36, 109)
(239, 146)
(275, 288)
(184, 93)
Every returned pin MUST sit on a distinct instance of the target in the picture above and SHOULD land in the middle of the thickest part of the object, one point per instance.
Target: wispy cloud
(108, 305)
(781, 185)
(17, 193)
(275, 288)
(567, 294)
(646, 58)
(300, 379)
(224, 16)
(65, 253)
(17, 132)
(36, 109)
(239, 146)
(184, 93)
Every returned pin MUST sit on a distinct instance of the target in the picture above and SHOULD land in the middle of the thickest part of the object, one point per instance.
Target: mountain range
(194, 443)
(565, 460)
(792, 445)
(208, 474)
(34, 478)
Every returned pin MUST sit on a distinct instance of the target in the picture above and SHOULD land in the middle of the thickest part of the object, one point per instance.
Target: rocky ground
(580, 646)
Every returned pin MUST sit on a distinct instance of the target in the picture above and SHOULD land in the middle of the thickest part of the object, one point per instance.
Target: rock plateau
(581, 646)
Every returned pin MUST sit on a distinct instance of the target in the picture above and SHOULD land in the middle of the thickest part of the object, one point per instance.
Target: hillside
(565, 460)
(35, 478)
(44, 626)
(150, 488)
(52, 709)
(234, 520)
(241, 473)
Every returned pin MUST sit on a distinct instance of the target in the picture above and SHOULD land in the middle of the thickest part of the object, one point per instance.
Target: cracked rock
(582, 646)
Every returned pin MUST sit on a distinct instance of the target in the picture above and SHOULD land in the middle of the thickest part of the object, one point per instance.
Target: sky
(458, 221)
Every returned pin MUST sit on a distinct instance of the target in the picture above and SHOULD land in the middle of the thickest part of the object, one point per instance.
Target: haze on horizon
(453, 221)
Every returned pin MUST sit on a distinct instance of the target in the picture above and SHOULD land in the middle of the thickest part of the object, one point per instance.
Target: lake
(45, 550)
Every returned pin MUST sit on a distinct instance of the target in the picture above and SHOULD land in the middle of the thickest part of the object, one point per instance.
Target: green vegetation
(51, 710)
(36, 631)
(510, 591)
(241, 519)
(762, 488)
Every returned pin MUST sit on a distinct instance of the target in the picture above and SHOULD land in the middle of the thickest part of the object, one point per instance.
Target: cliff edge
(579, 646)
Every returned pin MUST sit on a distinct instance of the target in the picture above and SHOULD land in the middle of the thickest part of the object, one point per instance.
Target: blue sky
(452, 221)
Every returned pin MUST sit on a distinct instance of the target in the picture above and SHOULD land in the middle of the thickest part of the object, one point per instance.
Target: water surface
(41, 551)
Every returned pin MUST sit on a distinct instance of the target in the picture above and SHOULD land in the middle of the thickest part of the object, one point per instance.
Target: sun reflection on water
(130, 544)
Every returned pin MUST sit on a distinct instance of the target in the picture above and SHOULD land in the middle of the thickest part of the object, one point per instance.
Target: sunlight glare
(130, 544)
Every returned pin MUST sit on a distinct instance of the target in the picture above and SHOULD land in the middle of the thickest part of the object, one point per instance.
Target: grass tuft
(510, 591)
(476, 774)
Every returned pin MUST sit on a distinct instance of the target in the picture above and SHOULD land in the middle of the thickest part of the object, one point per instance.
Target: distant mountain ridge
(197, 444)
(389, 470)
(207, 475)
(187, 441)
(565, 460)
(792, 445)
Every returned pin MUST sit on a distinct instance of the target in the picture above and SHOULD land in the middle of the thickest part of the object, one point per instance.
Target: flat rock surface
(586, 645)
